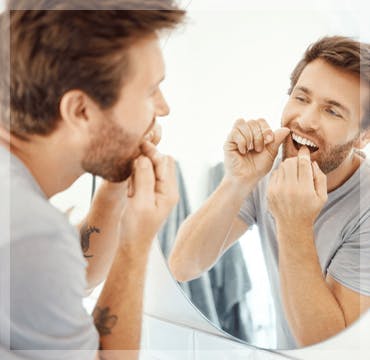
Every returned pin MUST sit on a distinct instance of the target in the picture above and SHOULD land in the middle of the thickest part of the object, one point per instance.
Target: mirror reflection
(275, 246)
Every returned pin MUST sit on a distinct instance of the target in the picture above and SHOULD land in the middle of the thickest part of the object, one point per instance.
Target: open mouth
(299, 141)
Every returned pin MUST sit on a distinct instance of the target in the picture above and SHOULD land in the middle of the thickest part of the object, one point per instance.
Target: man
(84, 97)
(312, 207)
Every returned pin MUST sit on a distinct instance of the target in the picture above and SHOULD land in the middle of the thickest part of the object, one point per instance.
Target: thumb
(143, 179)
(279, 136)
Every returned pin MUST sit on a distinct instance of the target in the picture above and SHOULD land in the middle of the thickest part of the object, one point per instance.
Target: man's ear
(74, 109)
(363, 139)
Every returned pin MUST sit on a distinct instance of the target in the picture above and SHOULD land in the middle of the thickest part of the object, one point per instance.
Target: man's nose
(309, 119)
(162, 108)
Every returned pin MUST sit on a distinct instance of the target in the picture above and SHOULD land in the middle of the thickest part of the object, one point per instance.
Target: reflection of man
(85, 95)
(312, 209)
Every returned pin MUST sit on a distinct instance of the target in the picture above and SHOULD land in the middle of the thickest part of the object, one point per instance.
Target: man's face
(324, 112)
(118, 133)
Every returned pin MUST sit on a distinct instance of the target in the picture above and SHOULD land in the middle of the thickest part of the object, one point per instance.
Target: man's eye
(333, 112)
(300, 99)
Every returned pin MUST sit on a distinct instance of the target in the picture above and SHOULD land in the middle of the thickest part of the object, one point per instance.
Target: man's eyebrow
(304, 89)
(327, 101)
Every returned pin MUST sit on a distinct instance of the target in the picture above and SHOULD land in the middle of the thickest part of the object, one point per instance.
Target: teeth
(303, 141)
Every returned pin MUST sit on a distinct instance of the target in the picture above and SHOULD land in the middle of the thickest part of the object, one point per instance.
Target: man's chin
(113, 173)
(117, 178)
(122, 174)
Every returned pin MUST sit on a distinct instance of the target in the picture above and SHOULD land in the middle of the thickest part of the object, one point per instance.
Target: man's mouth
(299, 141)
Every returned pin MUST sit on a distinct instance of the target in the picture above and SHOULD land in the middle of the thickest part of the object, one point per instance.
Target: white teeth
(303, 141)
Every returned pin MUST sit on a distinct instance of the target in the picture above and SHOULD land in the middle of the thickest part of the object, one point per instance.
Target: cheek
(287, 115)
(336, 133)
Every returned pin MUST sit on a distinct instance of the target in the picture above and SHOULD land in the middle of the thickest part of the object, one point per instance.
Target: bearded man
(311, 205)
(82, 94)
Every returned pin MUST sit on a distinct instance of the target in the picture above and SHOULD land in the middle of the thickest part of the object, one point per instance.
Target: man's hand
(250, 150)
(155, 135)
(297, 191)
(152, 195)
(99, 229)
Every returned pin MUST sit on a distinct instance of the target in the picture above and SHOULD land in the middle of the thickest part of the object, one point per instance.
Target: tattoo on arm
(86, 232)
(104, 322)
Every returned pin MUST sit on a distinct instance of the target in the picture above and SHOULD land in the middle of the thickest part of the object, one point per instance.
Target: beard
(330, 157)
(108, 154)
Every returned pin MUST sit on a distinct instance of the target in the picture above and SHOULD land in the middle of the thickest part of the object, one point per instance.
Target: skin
(297, 192)
(127, 221)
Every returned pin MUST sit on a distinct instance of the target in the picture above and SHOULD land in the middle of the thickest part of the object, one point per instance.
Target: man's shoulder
(32, 219)
(31, 213)
(365, 170)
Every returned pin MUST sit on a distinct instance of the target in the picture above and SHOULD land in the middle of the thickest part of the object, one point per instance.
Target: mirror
(232, 62)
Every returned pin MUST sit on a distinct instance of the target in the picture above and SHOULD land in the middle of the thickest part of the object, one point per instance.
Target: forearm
(201, 238)
(99, 235)
(118, 313)
(312, 310)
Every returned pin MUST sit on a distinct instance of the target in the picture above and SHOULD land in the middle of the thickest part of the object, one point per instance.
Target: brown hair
(341, 52)
(73, 44)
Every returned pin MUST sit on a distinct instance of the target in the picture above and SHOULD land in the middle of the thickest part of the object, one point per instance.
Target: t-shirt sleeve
(351, 264)
(47, 287)
(247, 211)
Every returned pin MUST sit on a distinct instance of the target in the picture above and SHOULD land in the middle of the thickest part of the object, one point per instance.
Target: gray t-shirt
(43, 273)
(342, 239)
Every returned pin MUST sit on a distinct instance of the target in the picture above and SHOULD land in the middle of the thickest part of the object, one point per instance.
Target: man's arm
(206, 234)
(118, 311)
(312, 311)
(250, 151)
(98, 231)
(316, 307)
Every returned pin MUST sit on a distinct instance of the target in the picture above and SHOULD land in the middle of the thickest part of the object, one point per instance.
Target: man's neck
(49, 163)
(342, 173)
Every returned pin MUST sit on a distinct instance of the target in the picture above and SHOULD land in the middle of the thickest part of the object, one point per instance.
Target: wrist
(133, 250)
(285, 226)
(109, 198)
(135, 242)
(238, 187)
(294, 236)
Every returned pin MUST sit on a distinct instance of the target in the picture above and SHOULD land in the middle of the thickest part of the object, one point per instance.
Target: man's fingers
(267, 133)
(290, 171)
(155, 135)
(130, 186)
(258, 140)
(305, 176)
(239, 140)
(153, 154)
(163, 173)
(320, 181)
(164, 167)
(143, 180)
(279, 137)
(256, 134)
(241, 127)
